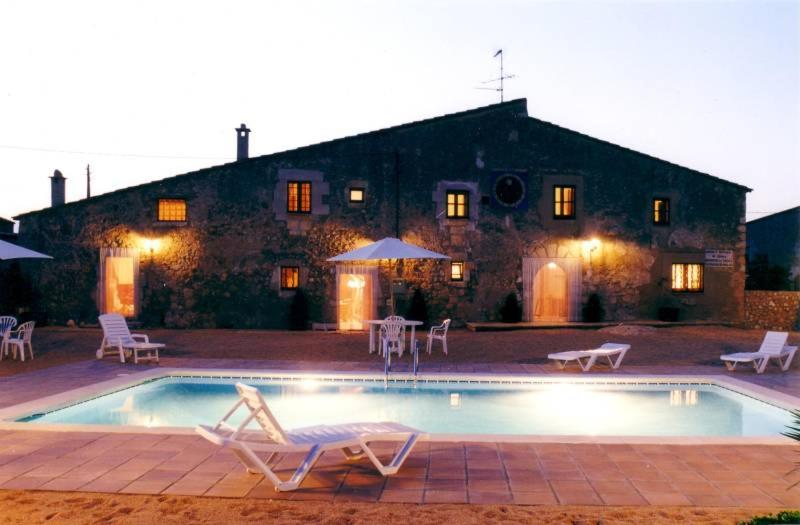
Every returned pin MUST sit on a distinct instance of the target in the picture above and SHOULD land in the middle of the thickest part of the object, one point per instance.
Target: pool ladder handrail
(387, 363)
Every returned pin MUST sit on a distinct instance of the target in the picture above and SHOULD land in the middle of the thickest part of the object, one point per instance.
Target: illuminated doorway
(356, 297)
(119, 269)
(550, 294)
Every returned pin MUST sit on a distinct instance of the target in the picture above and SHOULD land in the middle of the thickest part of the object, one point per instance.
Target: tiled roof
(519, 104)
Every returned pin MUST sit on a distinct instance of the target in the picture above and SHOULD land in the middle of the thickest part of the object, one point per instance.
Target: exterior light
(591, 245)
(551, 265)
(151, 245)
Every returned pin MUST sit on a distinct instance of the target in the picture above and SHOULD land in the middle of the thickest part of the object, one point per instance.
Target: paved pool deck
(739, 475)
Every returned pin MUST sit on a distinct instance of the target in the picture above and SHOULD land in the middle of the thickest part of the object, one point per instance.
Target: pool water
(445, 407)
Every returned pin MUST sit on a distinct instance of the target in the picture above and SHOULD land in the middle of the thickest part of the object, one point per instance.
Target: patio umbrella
(12, 251)
(390, 249)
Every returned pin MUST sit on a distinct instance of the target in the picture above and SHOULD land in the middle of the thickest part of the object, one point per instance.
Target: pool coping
(123, 381)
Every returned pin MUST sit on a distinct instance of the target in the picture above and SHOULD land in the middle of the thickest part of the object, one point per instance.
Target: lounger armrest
(143, 337)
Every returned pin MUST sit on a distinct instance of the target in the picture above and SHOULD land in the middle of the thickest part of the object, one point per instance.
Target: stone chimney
(57, 189)
(242, 142)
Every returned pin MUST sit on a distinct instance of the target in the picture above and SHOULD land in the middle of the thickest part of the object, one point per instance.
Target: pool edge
(758, 392)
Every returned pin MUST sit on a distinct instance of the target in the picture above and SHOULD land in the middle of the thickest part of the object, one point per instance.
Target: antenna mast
(88, 182)
(502, 77)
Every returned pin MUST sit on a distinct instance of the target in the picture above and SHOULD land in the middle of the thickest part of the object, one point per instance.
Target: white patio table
(375, 323)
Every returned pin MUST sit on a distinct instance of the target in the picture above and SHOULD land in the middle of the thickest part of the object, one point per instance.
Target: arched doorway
(550, 301)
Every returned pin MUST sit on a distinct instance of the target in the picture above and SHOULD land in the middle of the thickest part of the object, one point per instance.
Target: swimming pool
(530, 407)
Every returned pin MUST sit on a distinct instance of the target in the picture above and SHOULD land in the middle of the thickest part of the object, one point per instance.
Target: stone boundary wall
(772, 310)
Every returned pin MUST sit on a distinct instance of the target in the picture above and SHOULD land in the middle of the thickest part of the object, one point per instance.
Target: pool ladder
(387, 363)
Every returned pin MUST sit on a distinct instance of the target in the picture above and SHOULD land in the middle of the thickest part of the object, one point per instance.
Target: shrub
(593, 310)
(298, 311)
(418, 308)
(787, 516)
(511, 311)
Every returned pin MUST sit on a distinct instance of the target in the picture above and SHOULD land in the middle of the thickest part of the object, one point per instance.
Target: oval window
(509, 190)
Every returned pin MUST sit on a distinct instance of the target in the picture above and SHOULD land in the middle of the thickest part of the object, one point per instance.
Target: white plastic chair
(439, 333)
(393, 335)
(772, 347)
(117, 336)
(21, 341)
(7, 323)
(272, 440)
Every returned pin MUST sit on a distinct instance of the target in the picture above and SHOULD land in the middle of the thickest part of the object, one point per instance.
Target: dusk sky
(147, 90)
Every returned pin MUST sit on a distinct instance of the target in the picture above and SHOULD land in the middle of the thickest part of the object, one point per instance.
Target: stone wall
(769, 310)
(220, 268)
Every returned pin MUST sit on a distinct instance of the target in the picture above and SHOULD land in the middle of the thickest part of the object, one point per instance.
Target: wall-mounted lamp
(591, 245)
(151, 245)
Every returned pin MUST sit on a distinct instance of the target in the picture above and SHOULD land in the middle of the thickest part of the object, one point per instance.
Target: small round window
(509, 190)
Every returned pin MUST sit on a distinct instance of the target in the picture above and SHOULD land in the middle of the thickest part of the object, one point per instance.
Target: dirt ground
(20, 507)
(679, 346)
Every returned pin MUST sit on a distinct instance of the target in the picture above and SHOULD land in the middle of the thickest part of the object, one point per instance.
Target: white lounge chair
(117, 338)
(272, 440)
(772, 347)
(439, 333)
(586, 359)
(19, 340)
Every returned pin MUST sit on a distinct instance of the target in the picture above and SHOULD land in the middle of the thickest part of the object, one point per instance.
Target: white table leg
(371, 338)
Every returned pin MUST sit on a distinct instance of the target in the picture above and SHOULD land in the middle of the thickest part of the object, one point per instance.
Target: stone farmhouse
(520, 205)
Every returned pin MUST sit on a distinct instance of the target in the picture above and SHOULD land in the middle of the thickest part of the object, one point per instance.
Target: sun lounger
(272, 440)
(117, 337)
(586, 359)
(772, 347)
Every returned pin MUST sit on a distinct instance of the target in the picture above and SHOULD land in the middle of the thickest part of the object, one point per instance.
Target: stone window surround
(321, 189)
(356, 184)
(544, 204)
(439, 197)
(461, 258)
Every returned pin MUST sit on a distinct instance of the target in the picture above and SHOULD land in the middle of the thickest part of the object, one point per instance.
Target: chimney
(242, 142)
(57, 189)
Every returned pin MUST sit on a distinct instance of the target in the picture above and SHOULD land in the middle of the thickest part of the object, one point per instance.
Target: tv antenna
(500, 79)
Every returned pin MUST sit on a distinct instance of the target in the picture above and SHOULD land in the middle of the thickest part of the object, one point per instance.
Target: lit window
(661, 211)
(687, 277)
(290, 277)
(356, 194)
(298, 197)
(457, 204)
(564, 202)
(457, 271)
(172, 210)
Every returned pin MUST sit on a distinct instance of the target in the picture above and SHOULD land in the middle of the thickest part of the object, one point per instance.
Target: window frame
(574, 202)
(686, 266)
(667, 213)
(174, 221)
(456, 193)
(462, 267)
(296, 271)
(299, 200)
(350, 191)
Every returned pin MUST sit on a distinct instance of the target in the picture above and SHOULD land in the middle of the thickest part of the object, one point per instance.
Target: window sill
(170, 224)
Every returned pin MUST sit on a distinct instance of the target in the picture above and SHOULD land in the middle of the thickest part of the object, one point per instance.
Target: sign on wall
(719, 258)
